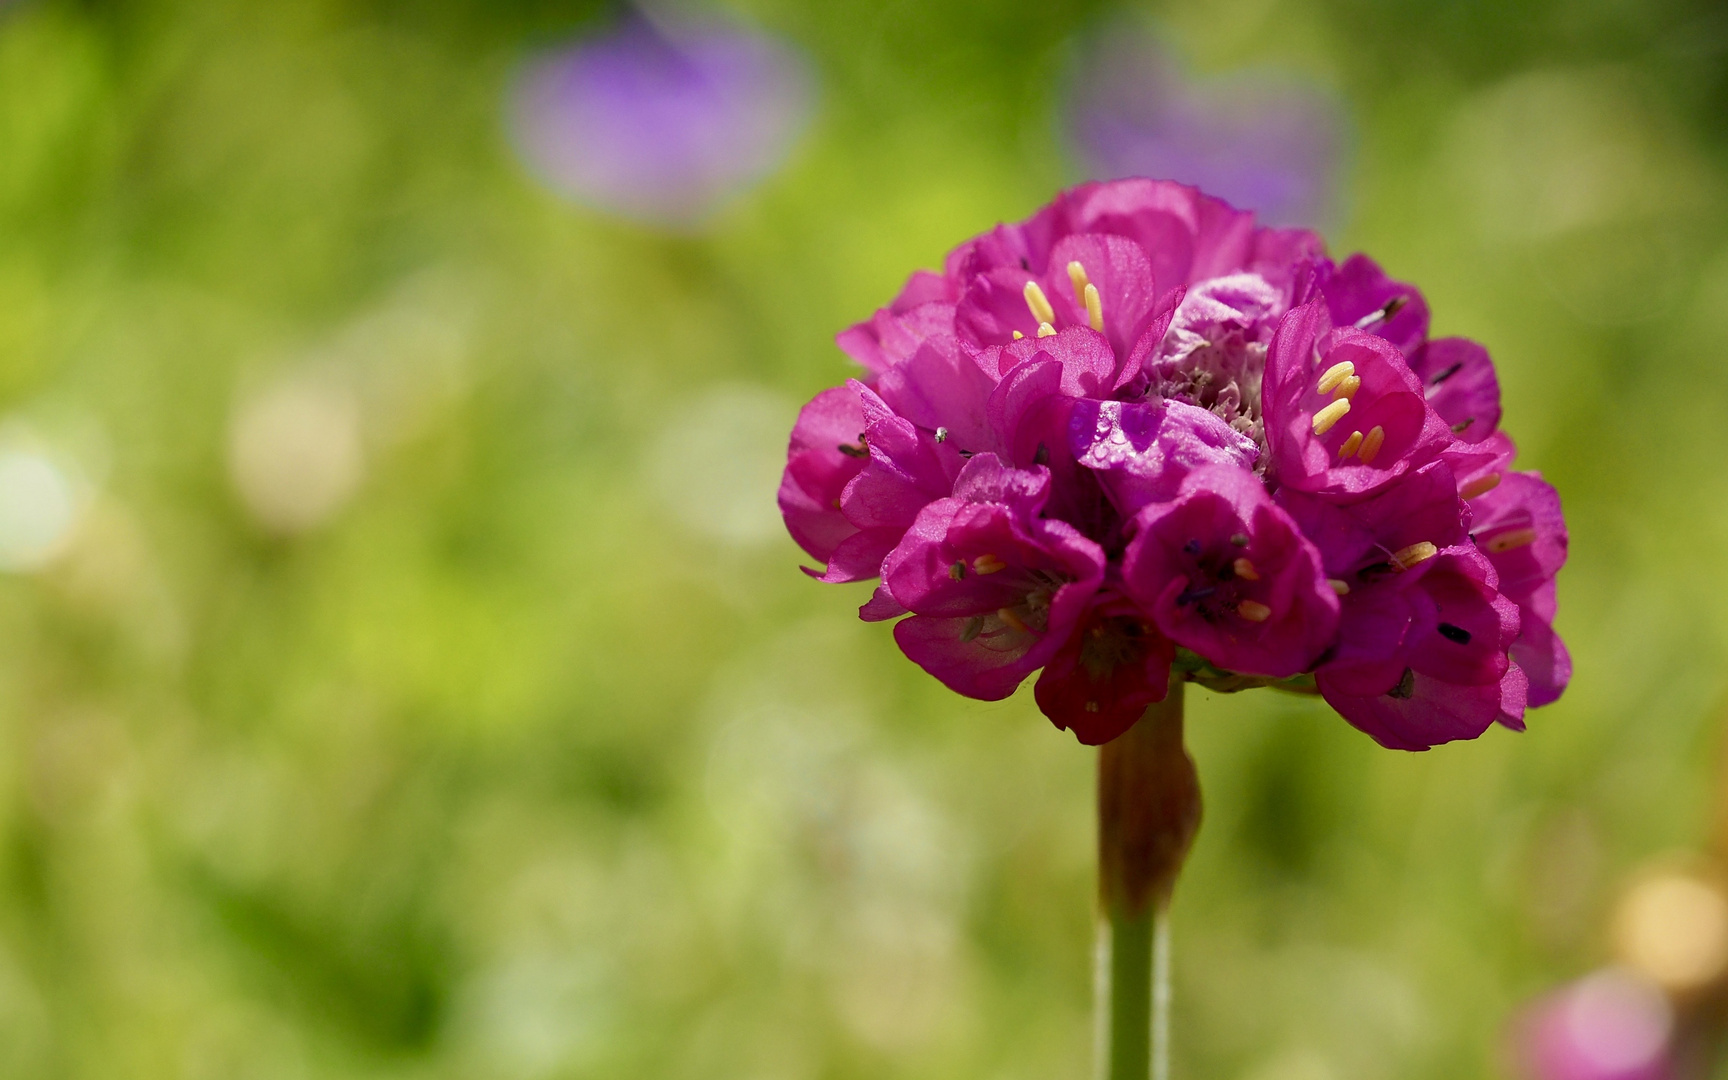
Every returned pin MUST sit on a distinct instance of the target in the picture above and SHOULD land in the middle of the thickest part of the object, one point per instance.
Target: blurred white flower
(41, 506)
(294, 452)
(715, 466)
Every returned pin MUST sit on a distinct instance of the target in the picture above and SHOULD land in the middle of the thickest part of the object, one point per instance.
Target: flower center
(1110, 643)
(1214, 354)
(1216, 585)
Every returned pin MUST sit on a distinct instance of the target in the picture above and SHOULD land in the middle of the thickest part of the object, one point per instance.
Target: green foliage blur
(521, 748)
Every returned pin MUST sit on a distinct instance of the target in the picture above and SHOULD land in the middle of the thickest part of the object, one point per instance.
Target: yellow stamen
(1046, 330)
(1253, 611)
(1342, 588)
(1331, 414)
(1371, 444)
(1245, 570)
(1039, 303)
(1334, 375)
(1509, 540)
(1482, 485)
(1404, 558)
(1018, 335)
(1350, 445)
(1347, 389)
(1008, 616)
(1077, 278)
(988, 564)
(1091, 706)
(1094, 308)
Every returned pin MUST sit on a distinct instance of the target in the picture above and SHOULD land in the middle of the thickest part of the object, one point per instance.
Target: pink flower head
(1137, 431)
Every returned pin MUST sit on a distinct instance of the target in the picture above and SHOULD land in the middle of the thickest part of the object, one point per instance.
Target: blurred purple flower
(1265, 141)
(657, 121)
(1608, 1026)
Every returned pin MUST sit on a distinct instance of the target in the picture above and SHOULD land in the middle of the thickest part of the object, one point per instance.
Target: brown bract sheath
(1148, 809)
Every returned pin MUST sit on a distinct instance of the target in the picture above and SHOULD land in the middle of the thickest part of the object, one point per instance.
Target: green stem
(1161, 993)
(1128, 1049)
(1148, 811)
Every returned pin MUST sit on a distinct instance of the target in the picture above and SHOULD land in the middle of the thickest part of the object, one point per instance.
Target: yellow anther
(1371, 444)
(1018, 335)
(1046, 330)
(1077, 278)
(1091, 706)
(1351, 445)
(1510, 540)
(1347, 389)
(988, 564)
(1039, 303)
(1245, 570)
(1253, 611)
(1094, 308)
(1334, 375)
(1331, 414)
(1339, 586)
(1404, 558)
(1482, 485)
(1009, 616)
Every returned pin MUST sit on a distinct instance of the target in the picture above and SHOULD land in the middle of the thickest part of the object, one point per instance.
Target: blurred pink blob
(657, 121)
(1611, 1025)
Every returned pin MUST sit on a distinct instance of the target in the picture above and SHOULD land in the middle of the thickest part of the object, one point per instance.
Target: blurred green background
(527, 752)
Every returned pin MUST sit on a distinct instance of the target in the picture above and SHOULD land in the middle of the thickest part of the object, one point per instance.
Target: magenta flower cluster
(1137, 434)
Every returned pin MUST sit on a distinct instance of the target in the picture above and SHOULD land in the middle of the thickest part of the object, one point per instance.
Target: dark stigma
(1454, 633)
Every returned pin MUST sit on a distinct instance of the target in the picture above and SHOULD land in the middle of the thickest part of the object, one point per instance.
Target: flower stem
(1148, 811)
